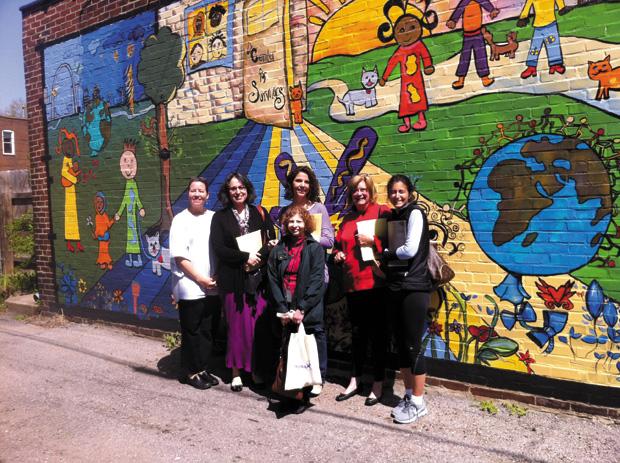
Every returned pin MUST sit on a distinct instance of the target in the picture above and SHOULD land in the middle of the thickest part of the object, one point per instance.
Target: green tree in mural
(160, 71)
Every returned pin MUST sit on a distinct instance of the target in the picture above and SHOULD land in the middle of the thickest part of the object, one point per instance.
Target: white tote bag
(302, 363)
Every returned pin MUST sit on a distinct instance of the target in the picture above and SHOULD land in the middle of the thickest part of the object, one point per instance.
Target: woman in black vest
(409, 285)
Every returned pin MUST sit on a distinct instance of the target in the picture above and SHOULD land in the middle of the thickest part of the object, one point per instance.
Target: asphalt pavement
(74, 392)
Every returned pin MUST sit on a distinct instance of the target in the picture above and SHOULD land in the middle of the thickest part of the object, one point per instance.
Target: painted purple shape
(283, 164)
(353, 159)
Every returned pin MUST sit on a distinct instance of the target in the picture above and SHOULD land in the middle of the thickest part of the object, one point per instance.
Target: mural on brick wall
(504, 112)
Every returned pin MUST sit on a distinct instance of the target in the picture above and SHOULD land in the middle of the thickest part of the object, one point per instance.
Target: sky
(12, 85)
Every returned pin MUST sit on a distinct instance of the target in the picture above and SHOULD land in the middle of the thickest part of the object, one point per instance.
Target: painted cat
(160, 256)
(608, 78)
(297, 94)
(366, 96)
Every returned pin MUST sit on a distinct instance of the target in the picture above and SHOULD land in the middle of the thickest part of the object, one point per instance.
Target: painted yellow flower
(118, 296)
(82, 287)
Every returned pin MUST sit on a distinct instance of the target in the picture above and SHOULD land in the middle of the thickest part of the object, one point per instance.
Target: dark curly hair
(313, 194)
(223, 195)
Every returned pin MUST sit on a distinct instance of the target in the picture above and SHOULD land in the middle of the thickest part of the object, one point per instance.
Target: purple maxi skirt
(241, 325)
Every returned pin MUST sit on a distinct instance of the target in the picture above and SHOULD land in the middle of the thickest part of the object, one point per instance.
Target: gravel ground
(71, 392)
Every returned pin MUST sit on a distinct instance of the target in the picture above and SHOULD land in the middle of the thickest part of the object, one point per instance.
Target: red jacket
(358, 275)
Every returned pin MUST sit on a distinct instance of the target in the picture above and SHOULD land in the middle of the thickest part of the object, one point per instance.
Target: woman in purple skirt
(241, 276)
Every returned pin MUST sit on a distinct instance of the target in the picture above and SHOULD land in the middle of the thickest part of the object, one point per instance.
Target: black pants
(199, 322)
(409, 310)
(368, 316)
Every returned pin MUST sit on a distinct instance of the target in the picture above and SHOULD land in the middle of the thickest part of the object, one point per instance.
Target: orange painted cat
(297, 94)
(608, 78)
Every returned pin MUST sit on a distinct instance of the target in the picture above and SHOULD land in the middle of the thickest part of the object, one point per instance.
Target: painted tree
(160, 71)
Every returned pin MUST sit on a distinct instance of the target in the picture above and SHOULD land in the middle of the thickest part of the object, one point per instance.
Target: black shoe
(209, 378)
(342, 396)
(370, 401)
(301, 407)
(195, 381)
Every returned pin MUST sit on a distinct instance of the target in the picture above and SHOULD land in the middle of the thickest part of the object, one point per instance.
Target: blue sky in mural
(104, 58)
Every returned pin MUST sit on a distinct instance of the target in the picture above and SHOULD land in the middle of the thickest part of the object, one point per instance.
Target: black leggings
(368, 325)
(409, 316)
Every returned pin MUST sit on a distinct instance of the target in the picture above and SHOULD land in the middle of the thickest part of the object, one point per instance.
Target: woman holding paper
(302, 187)
(242, 235)
(409, 287)
(357, 241)
(297, 275)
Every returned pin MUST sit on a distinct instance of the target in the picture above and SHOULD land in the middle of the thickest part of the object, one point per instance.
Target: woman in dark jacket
(241, 276)
(297, 274)
(409, 287)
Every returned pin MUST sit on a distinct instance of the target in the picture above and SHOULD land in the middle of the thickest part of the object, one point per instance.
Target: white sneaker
(410, 412)
(400, 405)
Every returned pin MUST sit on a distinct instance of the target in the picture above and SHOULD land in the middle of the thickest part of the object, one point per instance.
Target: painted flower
(157, 309)
(556, 297)
(455, 327)
(82, 287)
(482, 333)
(435, 328)
(527, 359)
(594, 299)
(117, 295)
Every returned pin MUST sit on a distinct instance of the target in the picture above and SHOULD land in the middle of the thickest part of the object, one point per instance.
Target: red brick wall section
(44, 24)
(19, 160)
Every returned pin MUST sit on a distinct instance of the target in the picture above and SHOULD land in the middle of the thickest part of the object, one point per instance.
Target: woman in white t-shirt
(193, 284)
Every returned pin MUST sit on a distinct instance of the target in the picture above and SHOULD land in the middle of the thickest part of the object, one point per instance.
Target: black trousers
(199, 322)
(409, 309)
(368, 316)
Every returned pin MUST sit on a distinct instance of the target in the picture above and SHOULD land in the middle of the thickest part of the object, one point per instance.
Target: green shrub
(20, 233)
(22, 281)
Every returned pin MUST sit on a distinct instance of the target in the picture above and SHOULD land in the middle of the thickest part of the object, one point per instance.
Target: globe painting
(541, 204)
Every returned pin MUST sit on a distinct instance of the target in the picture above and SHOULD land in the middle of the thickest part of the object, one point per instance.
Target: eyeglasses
(236, 188)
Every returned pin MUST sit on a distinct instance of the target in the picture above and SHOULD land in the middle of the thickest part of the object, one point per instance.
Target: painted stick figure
(131, 201)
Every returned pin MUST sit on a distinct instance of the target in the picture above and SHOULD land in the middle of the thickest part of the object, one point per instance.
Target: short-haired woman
(365, 290)
(296, 273)
(241, 274)
(193, 284)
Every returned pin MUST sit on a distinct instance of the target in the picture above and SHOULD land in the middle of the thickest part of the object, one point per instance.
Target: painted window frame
(12, 142)
(226, 61)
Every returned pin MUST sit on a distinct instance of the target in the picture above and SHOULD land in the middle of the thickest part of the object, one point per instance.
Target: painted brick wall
(515, 153)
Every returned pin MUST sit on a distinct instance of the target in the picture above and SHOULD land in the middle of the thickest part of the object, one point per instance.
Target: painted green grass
(581, 22)
(452, 135)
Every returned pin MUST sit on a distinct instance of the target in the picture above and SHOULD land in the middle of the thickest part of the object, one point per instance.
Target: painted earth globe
(540, 205)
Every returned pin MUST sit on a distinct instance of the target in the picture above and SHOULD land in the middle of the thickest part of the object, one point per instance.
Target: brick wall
(19, 158)
(515, 158)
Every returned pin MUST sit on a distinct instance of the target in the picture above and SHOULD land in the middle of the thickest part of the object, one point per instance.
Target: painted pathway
(574, 83)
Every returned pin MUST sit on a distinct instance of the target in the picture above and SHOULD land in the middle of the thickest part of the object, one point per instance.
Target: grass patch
(514, 409)
(488, 406)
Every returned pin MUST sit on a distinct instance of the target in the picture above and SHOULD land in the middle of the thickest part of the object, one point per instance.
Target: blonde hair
(370, 186)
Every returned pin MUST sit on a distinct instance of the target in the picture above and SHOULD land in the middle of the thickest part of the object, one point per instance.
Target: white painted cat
(160, 256)
(366, 96)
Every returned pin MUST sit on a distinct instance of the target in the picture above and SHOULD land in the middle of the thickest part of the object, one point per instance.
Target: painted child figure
(546, 34)
(131, 202)
(103, 224)
(69, 179)
(470, 11)
(412, 55)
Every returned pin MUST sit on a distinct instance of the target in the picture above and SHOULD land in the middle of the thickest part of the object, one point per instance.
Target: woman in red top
(412, 56)
(365, 291)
